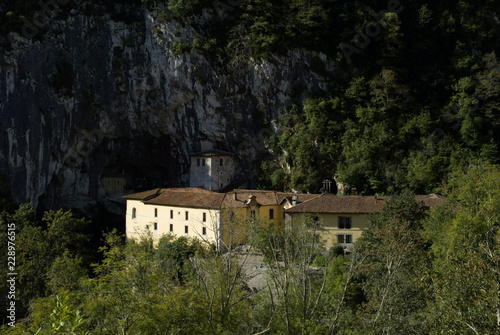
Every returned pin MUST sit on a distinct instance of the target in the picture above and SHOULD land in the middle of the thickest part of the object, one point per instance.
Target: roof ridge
(306, 201)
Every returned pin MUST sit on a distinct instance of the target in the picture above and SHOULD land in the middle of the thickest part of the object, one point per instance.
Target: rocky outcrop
(95, 95)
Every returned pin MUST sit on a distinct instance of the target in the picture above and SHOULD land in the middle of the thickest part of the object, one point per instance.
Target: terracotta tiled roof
(142, 195)
(329, 203)
(431, 199)
(213, 152)
(239, 198)
(187, 197)
(198, 197)
(301, 197)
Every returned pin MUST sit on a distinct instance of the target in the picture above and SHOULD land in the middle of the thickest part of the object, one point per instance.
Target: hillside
(376, 95)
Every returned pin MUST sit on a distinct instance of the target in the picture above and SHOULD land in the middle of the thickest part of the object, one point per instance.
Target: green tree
(38, 248)
(466, 254)
(133, 292)
(296, 291)
(395, 258)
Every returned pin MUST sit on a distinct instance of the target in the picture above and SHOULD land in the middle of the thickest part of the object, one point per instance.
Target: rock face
(93, 95)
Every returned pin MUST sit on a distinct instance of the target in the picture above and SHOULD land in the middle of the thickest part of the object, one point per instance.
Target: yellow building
(210, 216)
(345, 217)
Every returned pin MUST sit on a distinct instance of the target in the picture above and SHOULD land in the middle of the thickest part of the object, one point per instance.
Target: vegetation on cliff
(414, 95)
(429, 271)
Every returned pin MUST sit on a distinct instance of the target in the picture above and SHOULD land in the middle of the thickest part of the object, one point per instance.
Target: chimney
(353, 191)
(251, 198)
(294, 200)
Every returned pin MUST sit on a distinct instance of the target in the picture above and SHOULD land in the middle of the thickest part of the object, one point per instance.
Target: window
(171, 213)
(221, 162)
(344, 222)
(155, 226)
(186, 229)
(221, 185)
(171, 228)
(197, 162)
(187, 215)
(204, 217)
(204, 231)
(156, 212)
(203, 162)
(343, 239)
(252, 214)
(271, 214)
(134, 213)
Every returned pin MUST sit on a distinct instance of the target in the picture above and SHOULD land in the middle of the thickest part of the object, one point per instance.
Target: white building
(212, 169)
(190, 212)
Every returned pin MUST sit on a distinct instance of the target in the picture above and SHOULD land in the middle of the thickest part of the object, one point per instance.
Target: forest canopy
(413, 96)
(431, 270)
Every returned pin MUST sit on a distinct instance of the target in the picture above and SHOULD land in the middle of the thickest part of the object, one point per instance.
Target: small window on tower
(171, 213)
(204, 217)
(197, 162)
(221, 162)
(156, 212)
(203, 162)
(171, 228)
(204, 231)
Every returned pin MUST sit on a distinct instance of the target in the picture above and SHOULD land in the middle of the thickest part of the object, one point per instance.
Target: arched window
(134, 213)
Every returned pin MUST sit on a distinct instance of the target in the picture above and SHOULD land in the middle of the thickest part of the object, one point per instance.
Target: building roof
(183, 196)
(329, 203)
(187, 197)
(431, 200)
(337, 204)
(198, 197)
(213, 152)
(239, 198)
(201, 198)
(142, 195)
(301, 197)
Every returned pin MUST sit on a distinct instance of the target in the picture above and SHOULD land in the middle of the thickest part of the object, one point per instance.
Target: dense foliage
(415, 270)
(408, 107)
(414, 93)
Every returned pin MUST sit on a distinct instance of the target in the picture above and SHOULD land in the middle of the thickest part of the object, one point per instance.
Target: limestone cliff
(93, 95)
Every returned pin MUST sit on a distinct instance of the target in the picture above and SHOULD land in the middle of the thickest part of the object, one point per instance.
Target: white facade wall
(200, 175)
(145, 220)
(211, 176)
